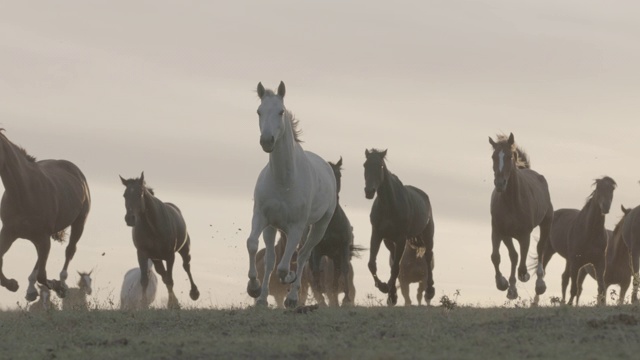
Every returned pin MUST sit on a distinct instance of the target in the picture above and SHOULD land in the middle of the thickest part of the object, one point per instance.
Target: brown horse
(413, 269)
(41, 199)
(159, 231)
(631, 237)
(399, 213)
(519, 203)
(618, 268)
(276, 288)
(580, 237)
(332, 283)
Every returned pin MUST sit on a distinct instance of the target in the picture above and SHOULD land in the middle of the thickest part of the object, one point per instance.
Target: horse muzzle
(267, 143)
(130, 220)
(369, 193)
(500, 184)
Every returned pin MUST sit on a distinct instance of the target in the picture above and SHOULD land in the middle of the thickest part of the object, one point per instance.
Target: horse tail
(60, 236)
(354, 250)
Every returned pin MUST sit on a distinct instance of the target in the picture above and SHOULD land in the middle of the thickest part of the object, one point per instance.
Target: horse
(329, 286)
(337, 244)
(159, 231)
(399, 213)
(413, 269)
(618, 268)
(41, 199)
(581, 238)
(76, 298)
(44, 302)
(131, 292)
(295, 193)
(277, 289)
(520, 201)
(631, 237)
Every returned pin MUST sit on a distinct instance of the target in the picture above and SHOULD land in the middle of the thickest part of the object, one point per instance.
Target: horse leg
(143, 264)
(397, 250)
(635, 260)
(258, 224)
(314, 236)
(404, 290)
(6, 240)
(77, 228)
(269, 236)
(172, 302)
(43, 246)
(341, 270)
(317, 277)
(185, 253)
(523, 274)
(430, 291)
(602, 289)
(32, 292)
(420, 292)
(501, 282)
(565, 280)
(574, 267)
(294, 238)
(512, 292)
(543, 243)
(376, 240)
(624, 286)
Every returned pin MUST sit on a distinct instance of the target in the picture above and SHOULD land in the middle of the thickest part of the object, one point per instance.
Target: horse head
(374, 171)
(133, 198)
(504, 156)
(603, 194)
(85, 282)
(271, 116)
(337, 167)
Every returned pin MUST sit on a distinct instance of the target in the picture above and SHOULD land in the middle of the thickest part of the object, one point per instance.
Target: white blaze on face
(501, 160)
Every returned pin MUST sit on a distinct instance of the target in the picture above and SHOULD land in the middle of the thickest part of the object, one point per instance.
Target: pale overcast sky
(119, 87)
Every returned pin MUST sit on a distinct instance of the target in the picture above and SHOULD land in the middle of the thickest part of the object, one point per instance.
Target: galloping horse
(337, 245)
(400, 213)
(159, 231)
(295, 193)
(631, 236)
(41, 199)
(580, 237)
(520, 201)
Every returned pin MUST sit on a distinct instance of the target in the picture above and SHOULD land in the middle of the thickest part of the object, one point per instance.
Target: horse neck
(16, 170)
(594, 217)
(514, 192)
(389, 190)
(282, 160)
(152, 214)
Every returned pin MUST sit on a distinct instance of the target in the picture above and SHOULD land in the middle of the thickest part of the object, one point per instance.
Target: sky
(168, 88)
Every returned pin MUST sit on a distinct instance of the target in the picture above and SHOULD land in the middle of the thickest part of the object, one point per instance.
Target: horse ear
(384, 153)
(511, 140)
(624, 210)
(281, 89)
(493, 143)
(142, 177)
(124, 182)
(260, 90)
(339, 163)
(366, 152)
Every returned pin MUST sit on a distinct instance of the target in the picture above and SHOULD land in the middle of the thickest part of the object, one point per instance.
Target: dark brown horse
(337, 244)
(519, 203)
(159, 231)
(41, 199)
(413, 269)
(580, 237)
(631, 236)
(618, 268)
(329, 287)
(399, 214)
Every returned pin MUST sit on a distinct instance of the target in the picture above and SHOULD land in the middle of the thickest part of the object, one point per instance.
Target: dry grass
(442, 332)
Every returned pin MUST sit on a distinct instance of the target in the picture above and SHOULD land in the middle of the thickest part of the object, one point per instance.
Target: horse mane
(595, 182)
(21, 149)
(297, 132)
(522, 158)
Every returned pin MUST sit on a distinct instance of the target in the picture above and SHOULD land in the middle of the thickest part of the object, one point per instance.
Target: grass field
(437, 332)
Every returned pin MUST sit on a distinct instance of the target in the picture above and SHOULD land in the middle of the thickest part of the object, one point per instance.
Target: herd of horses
(297, 196)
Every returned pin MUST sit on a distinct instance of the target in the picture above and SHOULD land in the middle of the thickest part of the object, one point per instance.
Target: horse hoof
(262, 303)
(392, 300)
(429, 294)
(31, 295)
(194, 294)
(290, 303)
(253, 288)
(290, 278)
(512, 294)
(524, 277)
(541, 287)
(501, 283)
(60, 290)
(384, 287)
(11, 285)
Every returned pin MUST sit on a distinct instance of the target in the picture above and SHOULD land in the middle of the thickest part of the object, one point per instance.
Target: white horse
(76, 298)
(295, 193)
(131, 294)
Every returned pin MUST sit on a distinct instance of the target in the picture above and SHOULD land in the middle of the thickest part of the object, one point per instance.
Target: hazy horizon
(169, 89)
